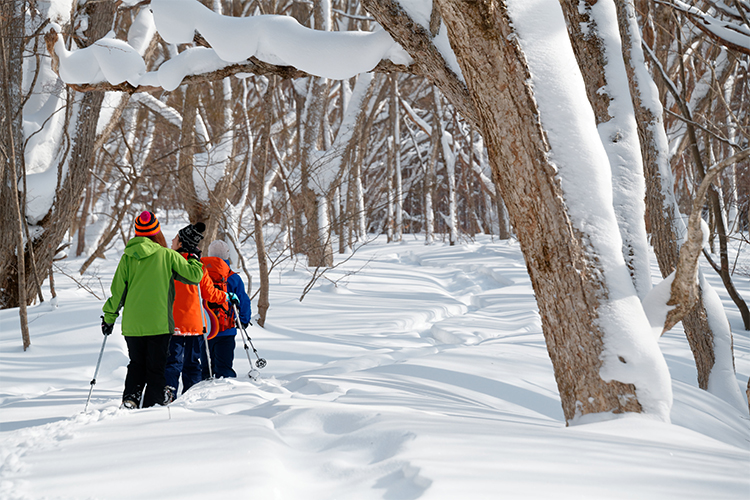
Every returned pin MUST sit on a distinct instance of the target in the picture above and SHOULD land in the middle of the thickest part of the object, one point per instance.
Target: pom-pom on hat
(192, 234)
(146, 224)
(218, 248)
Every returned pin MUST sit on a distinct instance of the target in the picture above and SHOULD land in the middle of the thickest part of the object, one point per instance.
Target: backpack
(219, 272)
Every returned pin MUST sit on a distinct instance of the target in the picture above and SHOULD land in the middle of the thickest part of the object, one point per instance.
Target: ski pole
(261, 363)
(96, 372)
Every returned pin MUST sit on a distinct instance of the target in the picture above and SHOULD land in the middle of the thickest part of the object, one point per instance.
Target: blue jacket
(236, 286)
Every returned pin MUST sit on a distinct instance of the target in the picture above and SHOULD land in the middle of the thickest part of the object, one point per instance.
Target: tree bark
(396, 133)
(600, 60)
(263, 302)
(11, 156)
(196, 211)
(11, 18)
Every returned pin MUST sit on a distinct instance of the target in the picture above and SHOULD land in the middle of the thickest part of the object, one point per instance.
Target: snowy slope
(421, 373)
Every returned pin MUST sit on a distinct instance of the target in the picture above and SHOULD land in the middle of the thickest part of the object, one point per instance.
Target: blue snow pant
(184, 358)
(222, 357)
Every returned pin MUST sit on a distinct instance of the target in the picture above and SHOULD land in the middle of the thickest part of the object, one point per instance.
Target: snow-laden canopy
(278, 40)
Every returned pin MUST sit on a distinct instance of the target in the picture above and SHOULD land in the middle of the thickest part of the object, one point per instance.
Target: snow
(273, 39)
(410, 371)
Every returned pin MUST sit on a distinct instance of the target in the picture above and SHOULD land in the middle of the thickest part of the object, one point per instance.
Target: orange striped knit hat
(146, 224)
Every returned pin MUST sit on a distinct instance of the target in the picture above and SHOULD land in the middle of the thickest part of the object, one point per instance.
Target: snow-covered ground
(421, 372)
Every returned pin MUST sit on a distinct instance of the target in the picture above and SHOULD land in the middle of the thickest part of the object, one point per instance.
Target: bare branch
(685, 285)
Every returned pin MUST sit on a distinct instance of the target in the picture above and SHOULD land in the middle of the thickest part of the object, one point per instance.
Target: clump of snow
(722, 382)
(655, 304)
(273, 39)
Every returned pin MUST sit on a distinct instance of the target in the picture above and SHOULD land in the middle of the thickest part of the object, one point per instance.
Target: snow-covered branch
(733, 33)
(265, 44)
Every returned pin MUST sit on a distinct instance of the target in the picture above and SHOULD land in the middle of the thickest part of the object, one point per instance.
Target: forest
(459, 127)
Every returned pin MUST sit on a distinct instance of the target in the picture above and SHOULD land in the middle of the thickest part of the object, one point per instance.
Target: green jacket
(144, 286)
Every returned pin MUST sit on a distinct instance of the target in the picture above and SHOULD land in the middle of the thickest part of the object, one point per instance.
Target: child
(186, 344)
(221, 347)
(142, 286)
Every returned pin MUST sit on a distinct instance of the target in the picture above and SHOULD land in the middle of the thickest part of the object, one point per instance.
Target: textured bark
(209, 211)
(661, 210)
(395, 111)
(316, 245)
(11, 150)
(11, 30)
(263, 302)
(566, 277)
(195, 210)
(685, 285)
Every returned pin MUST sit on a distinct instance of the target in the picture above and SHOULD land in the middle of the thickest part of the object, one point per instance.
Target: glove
(233, 299)
(193, 253)
(107, 327)
(245, 325)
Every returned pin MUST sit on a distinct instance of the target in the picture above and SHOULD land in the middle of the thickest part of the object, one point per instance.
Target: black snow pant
(148, 357)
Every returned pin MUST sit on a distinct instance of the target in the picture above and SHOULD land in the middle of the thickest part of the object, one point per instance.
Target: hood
(141, 247)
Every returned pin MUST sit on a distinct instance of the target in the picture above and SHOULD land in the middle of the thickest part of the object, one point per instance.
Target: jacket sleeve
(209, 292)
(188, 271)
(237, 286)
(119, 290)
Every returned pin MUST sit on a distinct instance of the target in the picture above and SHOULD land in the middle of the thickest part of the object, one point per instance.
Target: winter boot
(129, 404)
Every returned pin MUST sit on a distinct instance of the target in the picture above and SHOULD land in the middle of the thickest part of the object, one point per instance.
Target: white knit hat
(218, 248)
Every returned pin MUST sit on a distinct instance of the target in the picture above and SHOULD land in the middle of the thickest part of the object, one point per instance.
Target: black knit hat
(192, 234)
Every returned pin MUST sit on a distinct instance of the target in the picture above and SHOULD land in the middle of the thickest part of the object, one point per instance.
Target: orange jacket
(187, 309)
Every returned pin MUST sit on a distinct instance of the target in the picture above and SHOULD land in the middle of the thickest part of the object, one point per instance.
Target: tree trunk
(567, 277)
(11, 46)
(316, 243)
(599, 54)
(187, 151)
(396, 133)
(263, 302)
(431, 176)
(11, 153)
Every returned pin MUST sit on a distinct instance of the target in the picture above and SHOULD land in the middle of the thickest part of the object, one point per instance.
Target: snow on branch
(733, 33)
(265, 44)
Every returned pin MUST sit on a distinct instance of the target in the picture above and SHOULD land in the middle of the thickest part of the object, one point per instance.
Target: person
(186, 345)
(143, 287)
(221, 347)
